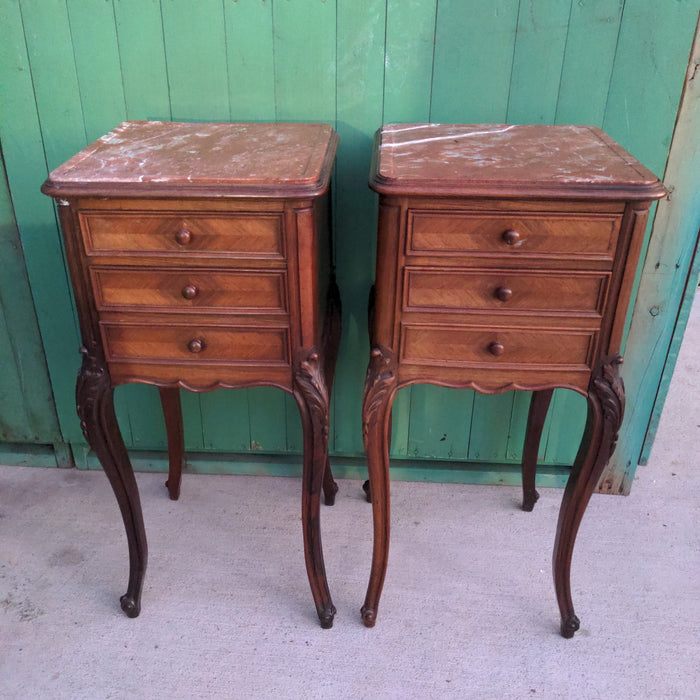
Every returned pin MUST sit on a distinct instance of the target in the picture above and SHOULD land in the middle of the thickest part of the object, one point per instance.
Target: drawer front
(493, 347)
(240, 234)
(445, 233)
(209, 290)
(504, 290)
(195, 344)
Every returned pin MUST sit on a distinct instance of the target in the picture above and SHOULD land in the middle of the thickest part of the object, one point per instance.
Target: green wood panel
(537, 61)
(27, 411)
(360, 85)
(195, 48)
(471, 76)
(305, 60)
(99, 71)
(251, 70)
(142, 56)
(588, 61)
(567, 420)
(25, 150)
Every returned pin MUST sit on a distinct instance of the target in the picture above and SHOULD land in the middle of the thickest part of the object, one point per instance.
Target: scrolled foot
(529, 500)
(326, 617)
(130, 606)
(369, 616)
(368, 491)
(329, 495)
(569, 626)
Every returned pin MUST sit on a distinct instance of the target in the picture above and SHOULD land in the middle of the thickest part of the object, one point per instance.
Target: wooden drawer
(195, 343)
(446, 233)
(210, 290)
(492, 346)
(245, 235)
(504, 290)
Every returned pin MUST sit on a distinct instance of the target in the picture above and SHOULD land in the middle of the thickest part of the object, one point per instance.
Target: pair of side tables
(200, 256)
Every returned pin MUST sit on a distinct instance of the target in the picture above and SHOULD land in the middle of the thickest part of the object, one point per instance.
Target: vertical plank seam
(274, 57)
(432, 67)
(226, 58)
(77, 77)
(614, 61)
(563, 62)
(512, 64)
(165, 55)
(386, 23)
(119, 55)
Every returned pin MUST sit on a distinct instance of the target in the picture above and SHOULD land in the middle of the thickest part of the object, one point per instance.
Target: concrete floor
(468, 608)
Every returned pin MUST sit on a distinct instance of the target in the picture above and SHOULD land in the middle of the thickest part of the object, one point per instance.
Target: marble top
(476, 158)
(218, 159)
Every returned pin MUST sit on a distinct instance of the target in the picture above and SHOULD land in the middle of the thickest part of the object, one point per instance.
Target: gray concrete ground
(468, 608)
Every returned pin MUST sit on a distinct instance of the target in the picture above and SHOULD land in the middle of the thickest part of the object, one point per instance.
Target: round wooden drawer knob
(183, 237)
(195, 345)
(511, 237)
(190, 291)
(503, 293)
(496, 349)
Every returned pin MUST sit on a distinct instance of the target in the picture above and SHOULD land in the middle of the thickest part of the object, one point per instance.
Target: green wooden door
(27, 411)
(70, 70)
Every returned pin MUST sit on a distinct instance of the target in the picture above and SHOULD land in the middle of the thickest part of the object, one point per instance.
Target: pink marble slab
(208, 159)
(528, 159)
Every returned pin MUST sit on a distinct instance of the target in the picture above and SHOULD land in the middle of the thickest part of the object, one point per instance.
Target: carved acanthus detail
(610, 389)
(381, 376)
(93, 380)
(308, 380)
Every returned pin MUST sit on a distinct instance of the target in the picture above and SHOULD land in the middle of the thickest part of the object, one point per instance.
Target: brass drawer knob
(190, 291)
(496, 349)
(183, 237)
(503, 293)
(195, 345)
(511, 237)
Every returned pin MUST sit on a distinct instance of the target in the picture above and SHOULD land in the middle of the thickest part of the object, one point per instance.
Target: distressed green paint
(139, 29)
(537, 61)
(588, 61)
(471, 86)
(71, 69)
(195, 50)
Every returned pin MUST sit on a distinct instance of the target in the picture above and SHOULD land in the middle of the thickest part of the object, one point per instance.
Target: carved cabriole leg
(312, 398)
(380, 388)
(606, 402)
(331, 343)
(172, 412)
(539, 405)
(95, 404)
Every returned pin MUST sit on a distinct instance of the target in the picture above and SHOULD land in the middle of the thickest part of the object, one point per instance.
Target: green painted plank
(473, 61)
(489, 429)
(295, 441)
(588, 61)
(192, 420)
(250, 56)
(268, 420)
(142, 54)
(568, 419)
(408, 72)
(439, 426)
(55, 91)
(195, 47)
(537, 61)
(27, 455)
(305, 60)
(360, 84)
(225, 422)
(97, 65)
(27, 411)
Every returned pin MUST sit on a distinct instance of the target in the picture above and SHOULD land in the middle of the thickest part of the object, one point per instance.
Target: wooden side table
(200, 258)
(506, 257)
